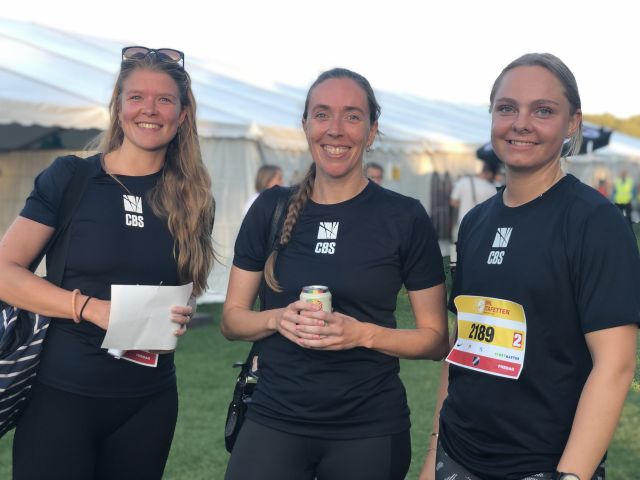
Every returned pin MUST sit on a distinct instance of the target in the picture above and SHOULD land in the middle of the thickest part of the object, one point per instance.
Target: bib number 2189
(482, 333)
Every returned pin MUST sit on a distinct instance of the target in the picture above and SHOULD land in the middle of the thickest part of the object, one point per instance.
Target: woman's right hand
(286, 319)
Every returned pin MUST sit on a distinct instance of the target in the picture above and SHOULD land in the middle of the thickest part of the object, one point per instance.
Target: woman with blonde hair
(547, 302)
(329, 403)
(145, 218)
(268, 176)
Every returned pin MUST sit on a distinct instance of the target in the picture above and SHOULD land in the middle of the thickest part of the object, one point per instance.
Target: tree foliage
(628, 126)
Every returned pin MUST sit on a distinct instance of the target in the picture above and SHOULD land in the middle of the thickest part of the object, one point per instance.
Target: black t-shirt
(115, 238)
(364, 250)
(570, 261)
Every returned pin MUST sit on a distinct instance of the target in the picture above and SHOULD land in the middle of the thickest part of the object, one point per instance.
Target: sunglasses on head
(165, 54)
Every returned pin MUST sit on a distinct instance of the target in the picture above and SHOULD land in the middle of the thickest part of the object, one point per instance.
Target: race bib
(141, 357)
(492, 336)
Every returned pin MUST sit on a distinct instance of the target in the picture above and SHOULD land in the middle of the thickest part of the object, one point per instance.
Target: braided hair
(299, 200)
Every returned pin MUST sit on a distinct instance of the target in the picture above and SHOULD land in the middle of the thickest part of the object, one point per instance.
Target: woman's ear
(372, 134)
(574, 123)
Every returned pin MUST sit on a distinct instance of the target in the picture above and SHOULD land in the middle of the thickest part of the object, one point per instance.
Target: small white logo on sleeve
(327, 231)
(133, 204)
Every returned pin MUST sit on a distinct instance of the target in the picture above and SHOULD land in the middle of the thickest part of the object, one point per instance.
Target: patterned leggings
(448, 469)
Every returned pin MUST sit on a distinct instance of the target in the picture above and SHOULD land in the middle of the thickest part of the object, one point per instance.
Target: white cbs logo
(501, 240)
(327, 231)
(133, 204)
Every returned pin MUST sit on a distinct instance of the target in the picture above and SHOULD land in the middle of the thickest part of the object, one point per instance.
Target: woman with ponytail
(145, 218)
(547, 301)
(329, 403)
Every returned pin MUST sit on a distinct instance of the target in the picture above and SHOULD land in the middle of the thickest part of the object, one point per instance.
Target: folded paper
(140, 316)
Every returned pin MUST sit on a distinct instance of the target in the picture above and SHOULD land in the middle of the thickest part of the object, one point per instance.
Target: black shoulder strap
(58, 245)
(277, 218)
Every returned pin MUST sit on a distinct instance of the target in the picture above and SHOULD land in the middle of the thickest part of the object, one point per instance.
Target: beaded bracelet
(89, 297)
(74, 296)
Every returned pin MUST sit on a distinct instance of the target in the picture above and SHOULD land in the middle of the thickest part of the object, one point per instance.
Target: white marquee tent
(54, 88)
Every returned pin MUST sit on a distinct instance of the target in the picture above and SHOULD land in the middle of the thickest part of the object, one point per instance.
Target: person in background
(267, 177)
(602, 187)
(471, 190)
(547, 298)
(374, 172)
(145, 218)
(624, 191)
(330, 403)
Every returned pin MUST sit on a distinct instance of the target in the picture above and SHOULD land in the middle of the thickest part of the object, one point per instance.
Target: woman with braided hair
(330, 403)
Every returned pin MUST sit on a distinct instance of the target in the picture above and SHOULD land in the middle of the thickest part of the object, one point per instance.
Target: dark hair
(373, 165)
(559, 70)
(303, 193)
(491, 168)
(374, 106)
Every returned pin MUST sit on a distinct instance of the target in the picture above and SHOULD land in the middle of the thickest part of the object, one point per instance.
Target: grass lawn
(206, 380)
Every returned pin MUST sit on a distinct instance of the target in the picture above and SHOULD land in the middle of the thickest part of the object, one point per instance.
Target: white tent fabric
(55, 79)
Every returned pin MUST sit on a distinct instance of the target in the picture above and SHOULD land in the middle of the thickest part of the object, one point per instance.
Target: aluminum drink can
(317, 294)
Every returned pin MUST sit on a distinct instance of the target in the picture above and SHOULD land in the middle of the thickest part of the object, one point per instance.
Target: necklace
(120, 183)
(116, 154)
(115, 179)
(506, 195)
(555, 180)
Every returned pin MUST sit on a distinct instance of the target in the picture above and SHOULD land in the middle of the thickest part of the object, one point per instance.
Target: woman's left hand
(181, 315)
(339, 332)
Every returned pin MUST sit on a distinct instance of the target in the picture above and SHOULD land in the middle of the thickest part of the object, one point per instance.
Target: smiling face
(338, 128)
(150, 110)
(530, 118)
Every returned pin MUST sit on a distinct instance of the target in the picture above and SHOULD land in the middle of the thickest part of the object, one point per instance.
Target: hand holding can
(318, 294)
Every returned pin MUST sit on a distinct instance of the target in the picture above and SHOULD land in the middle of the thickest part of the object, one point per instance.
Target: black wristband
(84, 305)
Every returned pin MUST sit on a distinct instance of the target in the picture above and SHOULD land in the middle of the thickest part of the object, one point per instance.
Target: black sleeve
(606, 270)
(49, 186)
(251, 248)
(422, 263)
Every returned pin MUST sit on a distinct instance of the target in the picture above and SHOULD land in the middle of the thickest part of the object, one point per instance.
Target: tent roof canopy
(52, 78)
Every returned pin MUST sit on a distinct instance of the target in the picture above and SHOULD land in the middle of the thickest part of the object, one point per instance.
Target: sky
(446, 50)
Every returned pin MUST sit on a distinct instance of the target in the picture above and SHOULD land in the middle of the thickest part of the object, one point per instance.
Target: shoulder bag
(22, 332)
(248, 376)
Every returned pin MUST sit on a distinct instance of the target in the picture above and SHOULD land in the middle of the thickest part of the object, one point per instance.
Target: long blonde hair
(183, 194)
(303, 194)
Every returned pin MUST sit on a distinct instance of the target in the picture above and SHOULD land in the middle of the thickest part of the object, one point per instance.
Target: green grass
(636, 382)
(206, 379)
